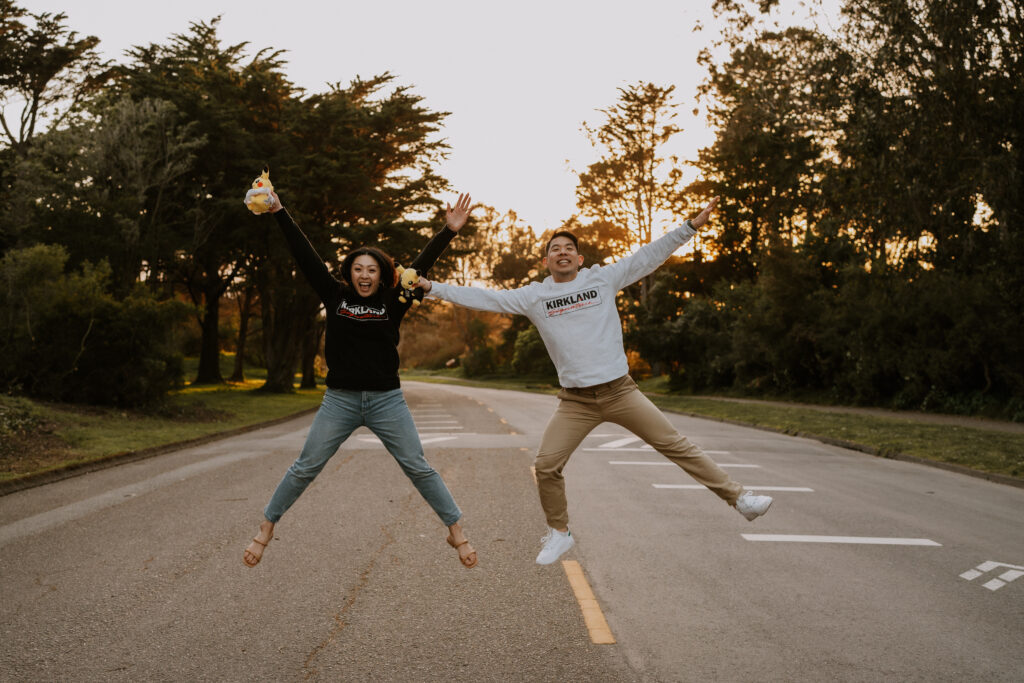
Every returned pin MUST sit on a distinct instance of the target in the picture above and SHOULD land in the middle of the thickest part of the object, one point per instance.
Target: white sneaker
(555, 544)
(753, 506)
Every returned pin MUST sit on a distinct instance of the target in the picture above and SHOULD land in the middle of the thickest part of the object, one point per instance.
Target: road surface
(865, 569)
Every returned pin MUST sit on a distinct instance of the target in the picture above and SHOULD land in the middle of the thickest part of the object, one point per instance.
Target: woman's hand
(424, 284)
(458, 216)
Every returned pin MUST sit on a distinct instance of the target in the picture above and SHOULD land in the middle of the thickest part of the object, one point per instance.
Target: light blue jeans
(386, 414)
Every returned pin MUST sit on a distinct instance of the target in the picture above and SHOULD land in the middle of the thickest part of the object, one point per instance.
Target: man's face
(563, 261)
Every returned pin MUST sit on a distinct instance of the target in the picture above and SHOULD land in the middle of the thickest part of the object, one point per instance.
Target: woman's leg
(337, 417)
(388, 416)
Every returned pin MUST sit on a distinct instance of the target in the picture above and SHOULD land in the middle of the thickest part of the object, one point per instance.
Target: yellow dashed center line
(593, 617)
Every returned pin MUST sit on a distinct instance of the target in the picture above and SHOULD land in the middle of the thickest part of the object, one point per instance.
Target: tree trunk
(209, 349)
(287, 315)
(310, 350)
(243, 330)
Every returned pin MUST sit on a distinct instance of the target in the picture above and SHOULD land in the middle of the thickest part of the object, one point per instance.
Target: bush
(68, 339)
(530, 357)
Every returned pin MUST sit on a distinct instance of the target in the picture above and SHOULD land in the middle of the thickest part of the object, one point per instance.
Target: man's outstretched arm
(478, 298)
(648, 257)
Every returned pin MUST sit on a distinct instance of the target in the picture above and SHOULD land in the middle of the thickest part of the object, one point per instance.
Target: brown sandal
(258, 541)
(470, 560)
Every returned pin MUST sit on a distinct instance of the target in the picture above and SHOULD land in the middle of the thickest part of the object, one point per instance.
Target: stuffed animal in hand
(407, 279)
(258, 199)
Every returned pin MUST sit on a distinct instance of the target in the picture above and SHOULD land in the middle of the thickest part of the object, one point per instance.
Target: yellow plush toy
(407, 279)
(258, 198)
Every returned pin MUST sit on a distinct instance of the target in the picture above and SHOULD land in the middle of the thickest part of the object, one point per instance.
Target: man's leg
(572, 421)
(625, 405)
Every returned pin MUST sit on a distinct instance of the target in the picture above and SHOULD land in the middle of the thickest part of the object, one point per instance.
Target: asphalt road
(864, 569)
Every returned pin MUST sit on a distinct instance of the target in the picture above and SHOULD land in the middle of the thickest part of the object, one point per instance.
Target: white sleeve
(479, 299)
(647, 258)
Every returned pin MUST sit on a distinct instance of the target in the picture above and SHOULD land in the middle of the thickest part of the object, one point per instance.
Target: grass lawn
(994, 452)
(37, 437)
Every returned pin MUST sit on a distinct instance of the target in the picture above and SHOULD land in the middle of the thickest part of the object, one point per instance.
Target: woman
(361, 349)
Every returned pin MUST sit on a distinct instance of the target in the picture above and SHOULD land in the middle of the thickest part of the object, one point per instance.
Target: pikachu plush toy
(258, 198)
(407, 279)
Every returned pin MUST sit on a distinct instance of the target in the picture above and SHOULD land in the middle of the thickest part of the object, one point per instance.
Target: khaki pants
(620, 402)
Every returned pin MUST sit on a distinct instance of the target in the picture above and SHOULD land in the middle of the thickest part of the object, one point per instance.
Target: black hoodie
(361, 342)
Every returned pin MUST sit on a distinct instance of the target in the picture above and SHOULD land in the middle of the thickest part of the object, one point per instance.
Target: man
(574, 311)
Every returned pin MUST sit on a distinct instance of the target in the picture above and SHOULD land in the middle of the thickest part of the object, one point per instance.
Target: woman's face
(365, 275)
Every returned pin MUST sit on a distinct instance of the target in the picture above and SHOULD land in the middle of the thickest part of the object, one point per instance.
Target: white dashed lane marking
(749, 487)
(668, 463)
(864, 540)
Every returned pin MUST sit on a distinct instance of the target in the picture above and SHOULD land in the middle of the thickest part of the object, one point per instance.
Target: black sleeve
(310, 263)
(435, 247)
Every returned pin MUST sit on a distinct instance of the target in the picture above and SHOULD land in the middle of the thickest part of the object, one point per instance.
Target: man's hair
(562, 233)
(388, 276)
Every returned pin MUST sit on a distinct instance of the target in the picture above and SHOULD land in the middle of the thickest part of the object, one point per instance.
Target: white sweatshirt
(577, 320)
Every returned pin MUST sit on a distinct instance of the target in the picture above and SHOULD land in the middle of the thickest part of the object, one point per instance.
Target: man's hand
(458, 216)
(704, 215)
(424, 284)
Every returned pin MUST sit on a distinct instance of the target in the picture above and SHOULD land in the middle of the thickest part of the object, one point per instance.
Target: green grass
(538, 385)
(190, 413)
(39, 437)
(979, 449)
(994, 452)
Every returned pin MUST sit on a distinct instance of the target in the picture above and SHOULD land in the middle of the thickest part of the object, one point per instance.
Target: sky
(518, 78)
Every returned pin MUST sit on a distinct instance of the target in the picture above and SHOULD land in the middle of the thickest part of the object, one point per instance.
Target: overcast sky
(519, 78)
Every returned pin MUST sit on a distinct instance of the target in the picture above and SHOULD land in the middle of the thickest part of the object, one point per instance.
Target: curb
(870, 450)
(49, 476)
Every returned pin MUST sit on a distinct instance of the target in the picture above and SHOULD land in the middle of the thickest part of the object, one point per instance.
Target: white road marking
(797, 489)
(430, 439)
(1014, 572)
(619, 442)
(670, 463)
(647, 449)
(866, 540)
(436, 422)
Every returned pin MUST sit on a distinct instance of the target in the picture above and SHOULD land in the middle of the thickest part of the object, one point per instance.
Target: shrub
(68, 339)
(530, 357)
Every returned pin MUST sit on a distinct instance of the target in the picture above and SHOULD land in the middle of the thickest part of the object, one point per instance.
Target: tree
(236, 104)
(771, 109)
(45, 71)
(632, 184)
(359, 163)
(934, 130)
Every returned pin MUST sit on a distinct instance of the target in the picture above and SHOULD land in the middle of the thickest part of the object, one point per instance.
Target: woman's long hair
(388, 276)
